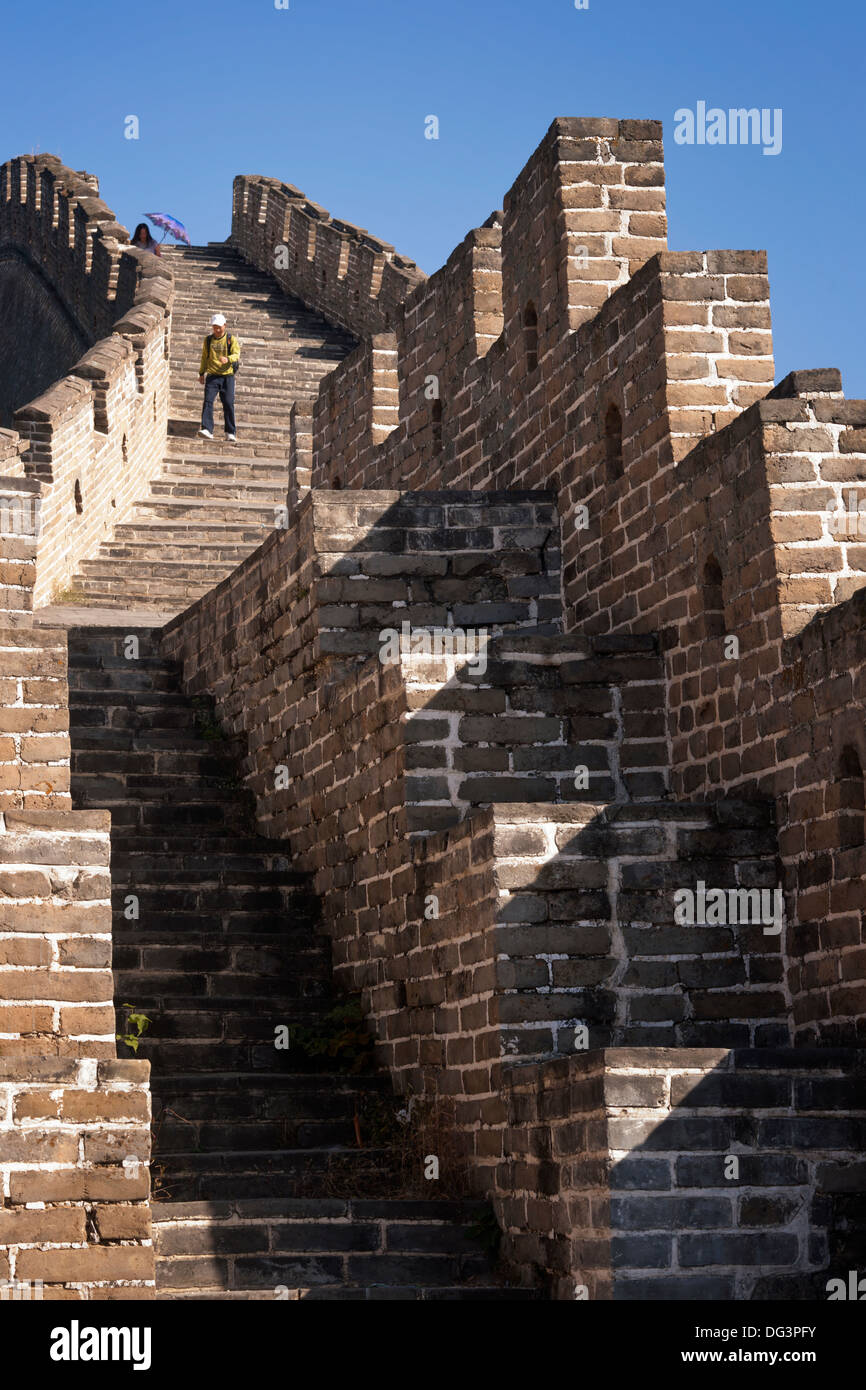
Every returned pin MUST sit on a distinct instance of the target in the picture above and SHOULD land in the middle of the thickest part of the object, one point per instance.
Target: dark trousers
(223, 386)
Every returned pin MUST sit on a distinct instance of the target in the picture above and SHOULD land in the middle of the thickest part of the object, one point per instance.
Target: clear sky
(332, 95)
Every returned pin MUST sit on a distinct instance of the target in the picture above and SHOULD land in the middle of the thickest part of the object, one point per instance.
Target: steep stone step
(213, 468)
(264, 493)
(224, 1174)
(264, 432)
(201, 511)
(221, 953)
(361, 1250)
(221, 518)
(190, 444)
(166, 574)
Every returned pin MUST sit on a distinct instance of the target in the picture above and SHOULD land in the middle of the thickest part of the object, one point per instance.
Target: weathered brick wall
(55, 914)
(617, 1173)
(34, 720)
(20, 516)
(55, 217)
(473, 410)
(755, 503)
(95, 437)
(350, 276)
(53, 341)
(494, 939)
(74, 1152)
(760, 503)
(74, 1122)
(349, 758)
(809, 728)
(543, 710)
(356, 410)
(586, 896)
(347, 567)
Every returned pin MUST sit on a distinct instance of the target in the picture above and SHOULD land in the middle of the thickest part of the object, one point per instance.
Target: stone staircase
(215, 502)
(361, 1250)
(215, 940)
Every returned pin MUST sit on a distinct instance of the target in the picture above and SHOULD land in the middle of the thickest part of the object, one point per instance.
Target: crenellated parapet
(352, 277)
(95, 437)
(54, 217)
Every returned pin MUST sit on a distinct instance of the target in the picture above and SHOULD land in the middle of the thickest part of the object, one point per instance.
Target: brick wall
(55, 934)
(356, 410)
(95, 437)
(74, 1152)
(586, 907)
(349, 760)
(34, 720)
(344, 272)
(617, 1177)
(74, 1122)
(53, 341)
(313, 599)
(809, 727)
(20, 519)
(470, 402)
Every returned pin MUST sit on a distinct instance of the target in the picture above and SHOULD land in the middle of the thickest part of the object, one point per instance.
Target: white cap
(218, 318)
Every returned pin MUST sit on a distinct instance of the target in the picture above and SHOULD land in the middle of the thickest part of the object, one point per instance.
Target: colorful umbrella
(170, 224)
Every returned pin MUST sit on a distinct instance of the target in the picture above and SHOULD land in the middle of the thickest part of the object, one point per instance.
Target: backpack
(237, 366)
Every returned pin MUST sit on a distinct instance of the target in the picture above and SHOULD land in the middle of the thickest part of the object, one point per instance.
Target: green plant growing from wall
(135, 1024)
(206, 725)
(342, 1037)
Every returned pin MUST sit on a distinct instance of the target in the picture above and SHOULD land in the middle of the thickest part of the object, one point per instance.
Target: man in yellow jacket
(220, 355)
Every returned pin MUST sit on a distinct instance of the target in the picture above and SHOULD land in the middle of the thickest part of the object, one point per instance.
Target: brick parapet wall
(803, 733)
(34, 720)
(356, 409)
(55, 935)
(553, 719)
(53, 216)
(74, 1183)
(586, 908)
(20, 521)
(614, 1174)
(761, 499)
(311, 602)
(703, 316)
(342, 271)
(74, 1122)
(97, 436)
(771, 717)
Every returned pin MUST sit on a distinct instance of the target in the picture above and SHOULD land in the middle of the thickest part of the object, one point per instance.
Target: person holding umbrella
(169, 225)
(143, 241)
(220, 355)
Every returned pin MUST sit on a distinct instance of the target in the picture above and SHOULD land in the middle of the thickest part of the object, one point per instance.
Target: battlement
(352, 277)
(101, 312)
(547, 692)
(54, 216)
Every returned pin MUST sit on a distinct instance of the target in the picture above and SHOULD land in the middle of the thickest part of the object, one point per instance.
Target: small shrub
(343, 1038)
(135, 1024)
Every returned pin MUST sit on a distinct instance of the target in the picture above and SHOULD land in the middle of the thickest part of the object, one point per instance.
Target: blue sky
(331, 95)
